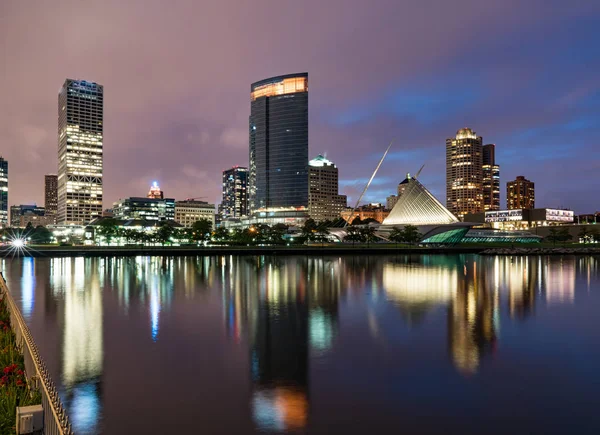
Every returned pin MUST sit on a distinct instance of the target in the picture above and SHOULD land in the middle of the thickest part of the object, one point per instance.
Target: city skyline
(376, 95)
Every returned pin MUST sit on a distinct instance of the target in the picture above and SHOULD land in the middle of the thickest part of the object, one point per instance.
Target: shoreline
(103, 251)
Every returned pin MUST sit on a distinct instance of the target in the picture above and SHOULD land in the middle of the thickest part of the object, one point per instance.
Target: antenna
(369, 183)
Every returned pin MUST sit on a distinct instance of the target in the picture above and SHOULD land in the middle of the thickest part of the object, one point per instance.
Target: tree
(163, 233)
(201, 229)
(41, 235)
(411, 234)
(553, 236)
(107, 229)
(397, 235)
(356, 221)
(221, 235)
(594, 235)
(353, 234)
(309, 230)
(564, 235)
(368, 234)
(584, 235)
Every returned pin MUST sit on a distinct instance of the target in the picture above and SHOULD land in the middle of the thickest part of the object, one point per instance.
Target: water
(353, 345)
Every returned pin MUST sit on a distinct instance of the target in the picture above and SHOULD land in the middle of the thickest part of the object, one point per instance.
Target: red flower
(7, 370)
(20, 372)
(20, 382)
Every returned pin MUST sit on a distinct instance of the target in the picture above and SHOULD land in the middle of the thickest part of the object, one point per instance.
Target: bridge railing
(56, 421)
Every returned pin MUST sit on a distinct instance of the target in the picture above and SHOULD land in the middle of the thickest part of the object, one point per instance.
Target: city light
(18, 243)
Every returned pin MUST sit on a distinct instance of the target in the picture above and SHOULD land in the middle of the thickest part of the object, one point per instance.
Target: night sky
(523, 74)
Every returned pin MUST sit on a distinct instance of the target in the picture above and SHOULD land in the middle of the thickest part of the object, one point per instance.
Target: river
(335, 344)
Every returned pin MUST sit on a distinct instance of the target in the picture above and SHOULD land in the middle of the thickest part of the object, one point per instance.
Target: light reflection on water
(301, 323)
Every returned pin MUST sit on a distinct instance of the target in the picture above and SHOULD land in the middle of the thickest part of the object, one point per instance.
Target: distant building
(108, 213)
(51, 194)
(151, 209)
(520, 194)
(278, 145)
(155, 192)
(189, 211)
(324, 200)
(80, 151)
(491, 179)
(235, 193)
(464, 173)
(3, 192)
(393, 199)
(369, 211)
(522, 219)
(21, 215)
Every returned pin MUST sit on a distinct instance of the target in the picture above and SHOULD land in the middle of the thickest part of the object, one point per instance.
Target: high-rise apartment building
(80, 142)
(464, 173)
(3, 193)
(235, 193)
(51, 194)
(324, 200)
(277, 176)
(520, 194)
(491, 179)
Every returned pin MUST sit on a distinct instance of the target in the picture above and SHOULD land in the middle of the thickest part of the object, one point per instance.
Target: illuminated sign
(504, 216)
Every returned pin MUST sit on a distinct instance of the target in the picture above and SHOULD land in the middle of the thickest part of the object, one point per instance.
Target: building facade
(235, 193)
(51, 194)
(189, 211)
(324, 200)
(155, 192)
(464, 173)
(151, 209)
(520, 194)
(278, 144)
(3, 193)
(80, 147)
(374, 211)
(29, 212)
(491, 179)
(523, 219)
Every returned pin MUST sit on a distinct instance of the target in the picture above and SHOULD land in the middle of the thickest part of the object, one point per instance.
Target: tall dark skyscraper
(80, 143)
(520, 194)
(51, 194)
(235, 193)
(278, 173)
(3, 192)
(491, 179)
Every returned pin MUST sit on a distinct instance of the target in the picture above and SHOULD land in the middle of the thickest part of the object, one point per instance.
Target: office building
(464, 173)
(491, 179)
(189, 211)
(3, 193)
(522, 219)
(155, 192)
(277, 176)
(80, 143)
(324, 200)
(150, 209)
(51, 194)
(21, 215)
(235, 193)
(520, 194)
(393, 199)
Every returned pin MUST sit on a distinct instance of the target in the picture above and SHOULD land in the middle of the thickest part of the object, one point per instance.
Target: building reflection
(79, 283)
(559, 280)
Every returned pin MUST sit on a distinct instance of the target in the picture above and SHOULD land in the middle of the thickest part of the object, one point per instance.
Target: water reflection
(283, 314)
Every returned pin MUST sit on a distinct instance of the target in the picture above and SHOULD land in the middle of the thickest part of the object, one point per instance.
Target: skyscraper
(278, 178)
(324, 200)
(464, 173)
(155, 192)
(80, 133)
(3, 193)
(51, 194)
(235, 194)
(491, 179)
(520, 194)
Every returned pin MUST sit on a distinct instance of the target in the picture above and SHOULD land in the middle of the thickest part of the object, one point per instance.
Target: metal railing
(56, 421)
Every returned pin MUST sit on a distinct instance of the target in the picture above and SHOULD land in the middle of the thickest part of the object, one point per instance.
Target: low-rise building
(21, 215)
(521, 219)
(189, 211)
(152, 209)
(368, 211)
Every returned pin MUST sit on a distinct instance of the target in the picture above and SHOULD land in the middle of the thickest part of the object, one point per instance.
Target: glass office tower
(278, 174)
(80, 133)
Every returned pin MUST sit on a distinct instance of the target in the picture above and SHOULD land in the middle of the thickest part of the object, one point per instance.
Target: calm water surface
(352, 345)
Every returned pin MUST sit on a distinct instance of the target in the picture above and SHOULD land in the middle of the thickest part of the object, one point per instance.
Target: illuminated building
(277, 176)
(324, 202)
(21, 215)
(51, 194)
(491, 179)
(522, 219)
(520, 194)
(151, 209)
(235, 194)
(155, 192)
(464, 173)
(80, 136)
(393, 199)
(374, 211)
(3, 192)
(189, 211)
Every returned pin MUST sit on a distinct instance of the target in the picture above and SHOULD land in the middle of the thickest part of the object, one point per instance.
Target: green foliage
(164, 233)
(107, 229)
(201, 230)
(397, 235)
(368, 234)
(354, 234)
(411, 234)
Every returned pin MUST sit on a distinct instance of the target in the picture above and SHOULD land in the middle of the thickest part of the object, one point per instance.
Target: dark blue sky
(522, 74)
